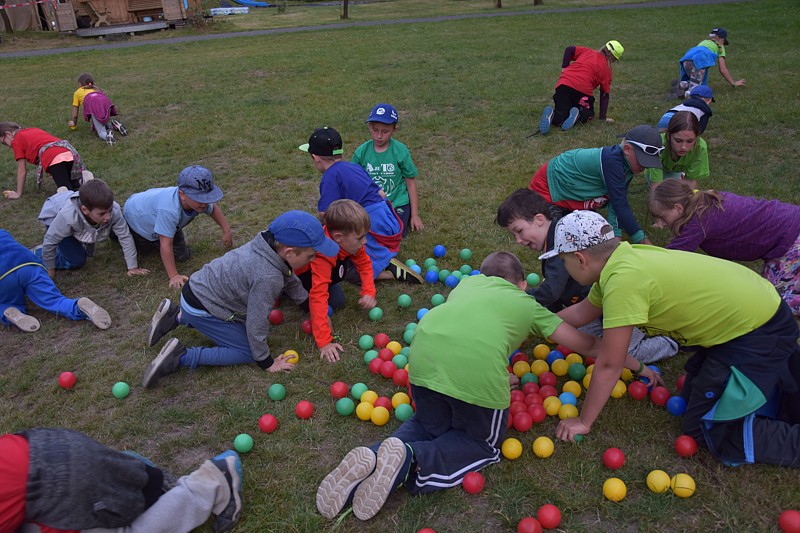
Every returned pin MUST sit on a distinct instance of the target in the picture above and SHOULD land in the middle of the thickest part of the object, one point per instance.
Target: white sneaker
(24, 322)
(94, 313)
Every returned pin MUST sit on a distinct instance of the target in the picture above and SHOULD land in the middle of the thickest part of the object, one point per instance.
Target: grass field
(469, 93)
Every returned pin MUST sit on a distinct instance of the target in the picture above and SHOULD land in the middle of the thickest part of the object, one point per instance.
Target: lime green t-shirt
(695, 299)
(461, 347)
(694, 165)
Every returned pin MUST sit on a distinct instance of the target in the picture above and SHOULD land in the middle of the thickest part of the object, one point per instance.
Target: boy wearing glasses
(590, 178)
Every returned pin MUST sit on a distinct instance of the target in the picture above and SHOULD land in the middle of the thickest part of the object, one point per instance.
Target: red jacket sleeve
(321, 269)
(364, 267)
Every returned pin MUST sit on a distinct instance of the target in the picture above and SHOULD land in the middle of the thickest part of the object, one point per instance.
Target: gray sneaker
(337, 489)
(166, 362)
(164, 320)
(371, 494)
(94, 313)
(23, 322)
(231, 466)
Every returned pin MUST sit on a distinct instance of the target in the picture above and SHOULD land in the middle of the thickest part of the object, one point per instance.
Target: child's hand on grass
(177, 281)
(280, 363)
(11, 195)
(330, 352)
(416, 223)
(609, 120)
(653, 377)
(367, 302)
(567, 429)
(227, 239)
(137, 271)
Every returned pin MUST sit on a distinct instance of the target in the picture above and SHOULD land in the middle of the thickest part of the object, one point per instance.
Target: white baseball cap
(577, 231)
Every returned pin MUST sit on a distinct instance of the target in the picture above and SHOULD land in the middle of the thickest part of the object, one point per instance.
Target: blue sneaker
(571, 119)
(545, 121)
(231, 466)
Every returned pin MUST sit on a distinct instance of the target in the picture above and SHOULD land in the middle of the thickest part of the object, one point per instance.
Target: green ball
(365, 342)
(405, 350)
(528, 378)
(400, 360)
(403, 412)
(579, 438)
(465, 270)
(120, 390)
(533, 279)
(243, 443)
(410, 262)
(357, 390)
(404, 300)
(276, 392)
(433, 268)
(370, 355)
(408, 335)
(376, 313)
(576, 371)
(345, 406)
(465, 255)
(457, 273)
(411, 325)
(443, 274)
(429, 262)
(437, 299)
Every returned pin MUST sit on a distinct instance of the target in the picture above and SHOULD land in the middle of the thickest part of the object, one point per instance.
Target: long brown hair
(694, 202)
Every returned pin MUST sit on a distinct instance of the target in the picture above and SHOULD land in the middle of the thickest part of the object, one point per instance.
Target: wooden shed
(105, 13)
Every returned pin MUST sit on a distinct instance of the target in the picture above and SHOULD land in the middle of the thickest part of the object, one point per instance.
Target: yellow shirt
(79, 95)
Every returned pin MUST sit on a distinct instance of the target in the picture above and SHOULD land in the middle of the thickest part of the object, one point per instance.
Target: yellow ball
(379, 415)
(395, 347)
(614, 489)
(291, 356)
(364, 410)
(682, 485)
(521, 368)
(567, 411)
(400, 398)
(511, 448)
(369, 396)
(590, 369)
(586, 380)
(560, 367)
(574, 358)
(539, 367)
(543, 447)
(552, 404)
(619, 389)
(627, 375)
(540, 351)
(573, 387)
(658, 481)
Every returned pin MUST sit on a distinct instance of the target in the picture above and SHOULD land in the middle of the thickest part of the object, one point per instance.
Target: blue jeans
(70, 254)
(32, 281)
(232, 346)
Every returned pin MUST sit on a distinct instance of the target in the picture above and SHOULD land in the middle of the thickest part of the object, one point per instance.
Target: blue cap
(197, 183)
(722, 33)
(385, 113)
(703, 91)
(301, 229)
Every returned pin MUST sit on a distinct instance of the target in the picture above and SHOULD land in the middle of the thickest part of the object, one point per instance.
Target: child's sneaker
(391, 470)
(546, 120)
(110, 140)
(231, 466)
(37, 251)
(117, 125)
(571, 119)
(163, 321)
(166, 362)
(96, 314)
(401, 272)
(24, 322)
(337, 489)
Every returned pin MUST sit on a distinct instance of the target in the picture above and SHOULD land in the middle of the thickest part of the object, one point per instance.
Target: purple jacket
(99, 106)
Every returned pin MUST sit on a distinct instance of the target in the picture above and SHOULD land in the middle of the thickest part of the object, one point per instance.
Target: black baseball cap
(324, 141)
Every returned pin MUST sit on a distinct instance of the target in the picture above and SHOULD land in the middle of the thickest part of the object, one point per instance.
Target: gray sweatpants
(643, 348)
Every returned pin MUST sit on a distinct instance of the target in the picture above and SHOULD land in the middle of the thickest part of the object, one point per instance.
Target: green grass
(469, 93)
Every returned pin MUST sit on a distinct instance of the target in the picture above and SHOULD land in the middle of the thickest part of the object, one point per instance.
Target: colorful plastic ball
(682, 485)
(789, 521)
(522, 421)
(385, 354)
(655, 369)
(540, 351)
(637, 390)
(399, 398)
(552, 404)
(658, 481)
(437, 299)
(539, 367)
(369, 396)
(680, 381)
(385, 402)
(465, 270)
(465, 254)
(394, 347)
(399, 361)
(567, 411)
(521, 368)
(439, 250)
(376, 313)
(426, 530)
(403, 412)
(572, 386)
(375, 365)
(404, 300)
(120, 390)
(613, 458)
(429, 262)
(676, 406)
(267, 423)
(330, 311)
(431, 276)
(345, 406)
(416, 268)
(546, 391)
(443, 274)
(587, 379)
(421, 313)
(410, 262)
(543, 447)
(575, 358)
(530, 377)
(408, 335)
(364, 411)
(559, 367)
(387, 369)
(537, 413)
(307, 327)
(511, 448)
(533, 279)
(549, 516)
(473, 482)
(686, 446)
(400, 377)
(276, 317)
(381, 340)
(243, 443)
(517, 406)
(339, 389)
(626, 375)
(451, 281)
(369, 355)
(365, 342)
(529, 525)
(357, 390)
(405, 350)
(659, 396)
(547, 378)
(457, 273)
(292, 356)
(379, 416)
(276, 392)
(552, 356)
(67, 380)
(619, 389)
(475, 272)
(568, 398)
(304, 409)
(614, 489)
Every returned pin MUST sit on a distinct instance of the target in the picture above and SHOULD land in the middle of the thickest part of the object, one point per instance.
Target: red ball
(613, 458)
(523, 421)
(686, 446)
(400, 377)
(530, 388)
(381, 340)
(268, 423)
(533, 399)
(473, 482)
(537, 412)
(510, 423)
(519, 357)
(564, 350)
(547, 378)
(589, 360)
(517, 407)
(304, 409)
(549, 516)
(637, 390)
(276, 317)
(680, 382)
(789, 521)
(517, 396)
(547, 391)
(385, 354)
(529, 525)
(306, 326)
(659, 395)
(67, 380)
(375, 365)
(426, 530)
(383, 401)
(339, 390)
(387, 369)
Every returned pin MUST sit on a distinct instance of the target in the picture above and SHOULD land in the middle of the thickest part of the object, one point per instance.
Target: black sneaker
(402, 273)
(391, 469)
(117, 125)
(163, 321)
(231, 466)
(166, 362)
(337, 489)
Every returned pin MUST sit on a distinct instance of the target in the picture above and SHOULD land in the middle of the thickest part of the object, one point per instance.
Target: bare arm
(219, 217)
(176, 280)
(580, 314)
(74, 120)
(413, 202)
(21, 171)
(723, 69)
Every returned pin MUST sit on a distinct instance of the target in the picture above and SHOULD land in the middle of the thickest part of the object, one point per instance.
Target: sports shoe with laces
(110, 140)
(117, 125)
(96, 314)
(230, 465)
(401, 272)
(337, 489)
(546, 120)
(571, 119)
(391, 470)
(163, 321)
(23, 322)
(166, 362)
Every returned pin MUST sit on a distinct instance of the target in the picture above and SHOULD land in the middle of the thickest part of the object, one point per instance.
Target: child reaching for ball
(97, 109)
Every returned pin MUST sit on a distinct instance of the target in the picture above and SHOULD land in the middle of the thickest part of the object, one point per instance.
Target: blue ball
(422, 312)
(416, 268)
(439, 250)
(568, 398)
(554, 355)
(451, 281)
(330, 310)
(676, 406)
(431, 276)
(655, 369)
(475, 272)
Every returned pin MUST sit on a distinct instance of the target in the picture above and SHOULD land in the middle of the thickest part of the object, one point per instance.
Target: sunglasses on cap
(647, 148)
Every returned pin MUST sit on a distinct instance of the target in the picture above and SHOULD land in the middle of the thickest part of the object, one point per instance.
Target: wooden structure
(111, 13)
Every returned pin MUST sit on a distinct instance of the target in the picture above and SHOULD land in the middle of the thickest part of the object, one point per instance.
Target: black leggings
(565, 98)
(62, 175)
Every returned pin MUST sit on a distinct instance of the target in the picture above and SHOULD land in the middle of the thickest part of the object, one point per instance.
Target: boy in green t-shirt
(388, 162)
(742, 387)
